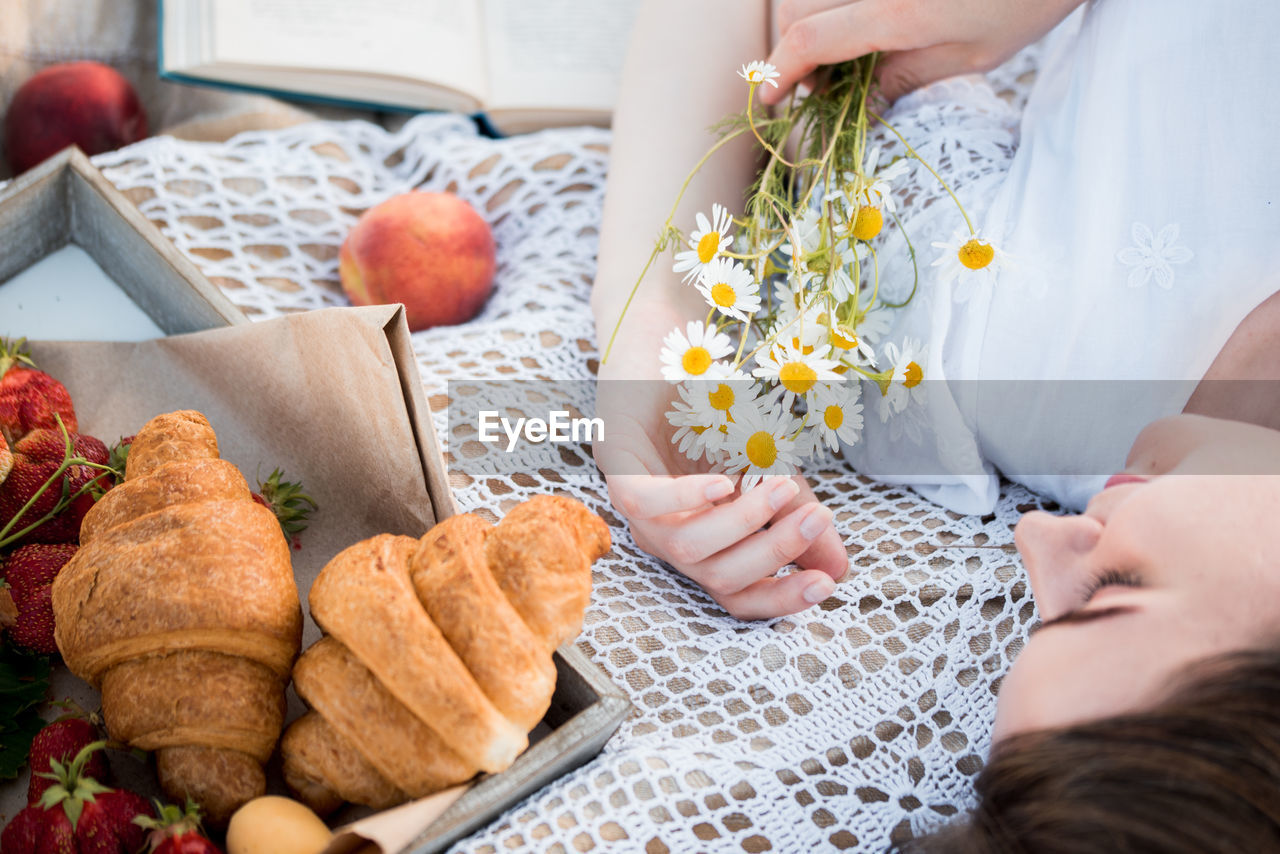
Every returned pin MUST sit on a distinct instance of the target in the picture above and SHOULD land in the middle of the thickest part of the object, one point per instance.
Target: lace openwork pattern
(856, 723)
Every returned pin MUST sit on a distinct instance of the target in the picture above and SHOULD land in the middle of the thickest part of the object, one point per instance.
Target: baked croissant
(181, 607)
(437, 660)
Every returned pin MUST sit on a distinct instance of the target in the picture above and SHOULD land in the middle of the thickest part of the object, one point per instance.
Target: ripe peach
(430, 251)
(83, 103)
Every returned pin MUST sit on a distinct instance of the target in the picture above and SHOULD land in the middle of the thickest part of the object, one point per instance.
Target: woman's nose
(1056, 552)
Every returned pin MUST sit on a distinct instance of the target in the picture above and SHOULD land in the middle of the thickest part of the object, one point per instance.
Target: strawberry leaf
(292, 506)
(24, 681)
(14, 353)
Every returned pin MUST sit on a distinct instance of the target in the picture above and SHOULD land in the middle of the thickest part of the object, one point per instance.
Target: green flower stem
(911, 250)
(751, 93)
(932, 172)
(666, 227)
(69, 459)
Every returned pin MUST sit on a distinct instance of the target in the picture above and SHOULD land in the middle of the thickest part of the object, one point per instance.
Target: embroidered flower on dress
(1153, 255)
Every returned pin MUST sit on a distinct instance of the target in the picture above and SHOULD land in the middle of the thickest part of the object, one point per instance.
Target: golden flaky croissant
(437, 660)
(181, 607)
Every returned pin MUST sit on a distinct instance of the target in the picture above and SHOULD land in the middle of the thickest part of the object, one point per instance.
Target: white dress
(1138, 200)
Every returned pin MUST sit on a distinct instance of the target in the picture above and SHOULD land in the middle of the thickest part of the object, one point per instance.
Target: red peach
(430, 251)
(82, 103)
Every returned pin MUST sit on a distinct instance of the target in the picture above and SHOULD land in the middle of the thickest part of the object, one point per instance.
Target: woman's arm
(680, 78)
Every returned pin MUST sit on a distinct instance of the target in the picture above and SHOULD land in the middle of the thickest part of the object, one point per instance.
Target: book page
(556, 53)
(435, 41)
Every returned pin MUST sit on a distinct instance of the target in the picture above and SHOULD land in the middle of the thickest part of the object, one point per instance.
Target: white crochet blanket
(847, 726)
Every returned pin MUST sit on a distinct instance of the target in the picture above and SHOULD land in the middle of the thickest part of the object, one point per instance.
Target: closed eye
(1110, 578)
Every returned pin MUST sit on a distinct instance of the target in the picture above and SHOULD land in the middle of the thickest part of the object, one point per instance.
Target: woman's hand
(923, 40)
(693, 520)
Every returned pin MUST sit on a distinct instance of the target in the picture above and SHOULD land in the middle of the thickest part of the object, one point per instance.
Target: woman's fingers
(645, 496)
(698, 537)
(779, 596)
(788, 12)
(833, 35)
(827, 552)
(762, 554)
(906, 71)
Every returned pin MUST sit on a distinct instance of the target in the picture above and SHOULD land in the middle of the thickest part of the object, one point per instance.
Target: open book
(526, 64)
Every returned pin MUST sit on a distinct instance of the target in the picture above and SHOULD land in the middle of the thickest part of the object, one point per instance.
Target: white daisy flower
(847, 345)
(873, 325)
(878, 185)
(714, 402)
(802, 334)
(837, 415)
(804, 238)
(795, 371)
(692, 354)
(759, 71)
(694, 436)
(760, 443)
(907, 384)
(730, 287)
(854, 258)
(708, 242)
(970, 260)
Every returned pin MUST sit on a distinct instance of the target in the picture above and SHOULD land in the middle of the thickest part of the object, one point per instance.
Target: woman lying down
(1144, 715)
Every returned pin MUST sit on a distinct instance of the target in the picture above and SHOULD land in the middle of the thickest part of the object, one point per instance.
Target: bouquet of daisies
(772, 377)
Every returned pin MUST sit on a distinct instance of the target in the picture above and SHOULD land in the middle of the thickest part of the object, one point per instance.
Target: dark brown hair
(1198, 774)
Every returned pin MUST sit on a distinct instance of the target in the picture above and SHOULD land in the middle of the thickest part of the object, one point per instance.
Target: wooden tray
(67, 200)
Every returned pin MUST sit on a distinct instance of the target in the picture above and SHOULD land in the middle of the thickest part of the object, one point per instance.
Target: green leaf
(24, 682)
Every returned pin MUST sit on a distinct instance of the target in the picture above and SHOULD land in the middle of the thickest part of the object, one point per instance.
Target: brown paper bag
(331, 397)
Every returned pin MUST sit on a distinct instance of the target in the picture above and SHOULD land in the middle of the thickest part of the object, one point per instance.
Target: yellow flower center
(833, 417)
(709, 246)
(912, 375)
(721, 398)
(797, 377)
(698, 429)
(804, 349)
(723, 294)
(975, 255)
(868, 222)
(696, 360)
(843, 337)
(761, 449)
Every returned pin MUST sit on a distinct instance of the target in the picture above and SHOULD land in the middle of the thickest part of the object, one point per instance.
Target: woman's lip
(1123, 478)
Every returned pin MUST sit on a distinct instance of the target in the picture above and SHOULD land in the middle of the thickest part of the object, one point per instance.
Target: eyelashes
(1110, 578)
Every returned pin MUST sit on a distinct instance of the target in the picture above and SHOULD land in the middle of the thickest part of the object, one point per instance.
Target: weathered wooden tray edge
(66, 199)
(571, 744)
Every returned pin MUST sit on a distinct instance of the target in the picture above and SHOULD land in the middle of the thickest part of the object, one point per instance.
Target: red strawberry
(77, 815)
(177, 831)
(30, 571)
(36, 459)
(29, 398)
(108, 825)
(23, 833)
(61, 741)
